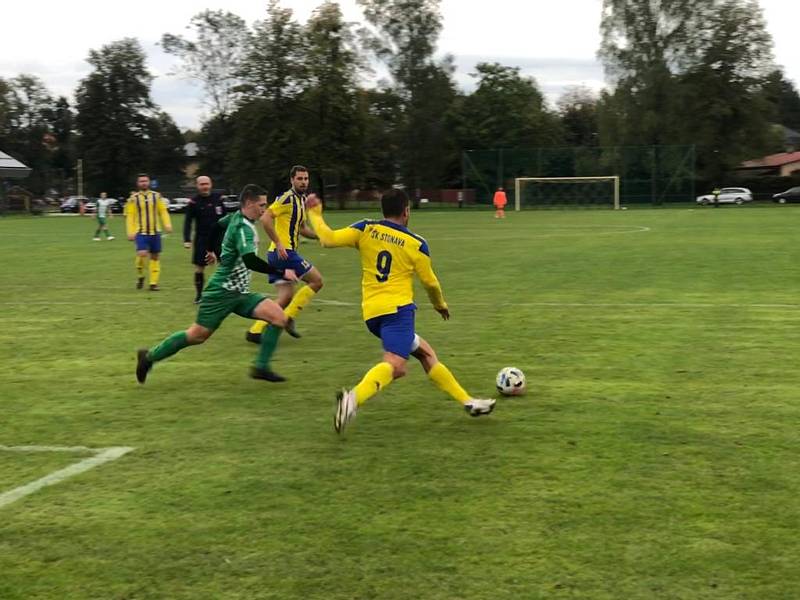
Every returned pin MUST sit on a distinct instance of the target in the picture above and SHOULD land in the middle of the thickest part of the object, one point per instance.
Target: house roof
(12, 168)
(772, 161)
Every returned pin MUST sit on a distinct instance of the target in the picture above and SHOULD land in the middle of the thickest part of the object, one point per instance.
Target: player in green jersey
(228, 291)
(103, 214)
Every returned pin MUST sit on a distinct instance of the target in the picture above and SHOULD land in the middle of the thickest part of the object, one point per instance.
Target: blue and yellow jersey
(289, 212)
(146, 213)
(390, 256)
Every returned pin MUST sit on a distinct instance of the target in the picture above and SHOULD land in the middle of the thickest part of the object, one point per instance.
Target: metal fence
(648, 174)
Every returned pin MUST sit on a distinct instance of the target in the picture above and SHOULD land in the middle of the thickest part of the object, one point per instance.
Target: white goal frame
(518, 186)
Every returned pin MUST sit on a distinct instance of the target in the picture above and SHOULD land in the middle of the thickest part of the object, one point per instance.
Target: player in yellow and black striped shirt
(145, 216)
(285, 221)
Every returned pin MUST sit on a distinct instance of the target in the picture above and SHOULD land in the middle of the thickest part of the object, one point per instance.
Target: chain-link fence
(648, 174)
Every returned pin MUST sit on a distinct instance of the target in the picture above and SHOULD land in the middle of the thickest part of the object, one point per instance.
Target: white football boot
(346, 408)
(477, 407)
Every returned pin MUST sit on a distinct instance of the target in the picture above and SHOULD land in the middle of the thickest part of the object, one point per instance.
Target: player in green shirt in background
(103, 213)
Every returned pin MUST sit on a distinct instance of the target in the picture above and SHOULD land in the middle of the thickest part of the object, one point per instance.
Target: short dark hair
(140, 175)
(297, 169)
(393, 203)
(250, 192)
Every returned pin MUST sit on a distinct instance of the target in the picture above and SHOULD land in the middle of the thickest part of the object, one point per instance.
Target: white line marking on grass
(101, 456)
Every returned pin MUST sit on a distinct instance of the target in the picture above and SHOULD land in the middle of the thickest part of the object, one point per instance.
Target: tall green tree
(726, 114)
(506, 110)
(687, 72)
(25, 127)
(213, 55)
(577, 109)
(114, 112)
(404, 34)
(644, 43)
(330, 121)
(267, 137)
(784, 97)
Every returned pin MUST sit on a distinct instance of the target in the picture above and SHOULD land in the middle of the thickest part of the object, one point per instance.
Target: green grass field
(655, 455)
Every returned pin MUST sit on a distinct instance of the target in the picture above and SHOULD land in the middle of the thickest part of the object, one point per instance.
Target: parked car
(72, 204)
(178, 205)
(730, 195)
(790, 195)
(231, 203)
(90, 206)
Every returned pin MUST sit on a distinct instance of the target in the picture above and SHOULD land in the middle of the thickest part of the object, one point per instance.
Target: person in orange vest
(500, 202)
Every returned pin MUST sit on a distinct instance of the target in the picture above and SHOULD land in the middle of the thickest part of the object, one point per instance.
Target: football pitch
(654, 456)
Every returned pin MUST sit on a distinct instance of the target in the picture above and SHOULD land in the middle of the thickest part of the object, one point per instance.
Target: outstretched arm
(424, 271)
(328, 237)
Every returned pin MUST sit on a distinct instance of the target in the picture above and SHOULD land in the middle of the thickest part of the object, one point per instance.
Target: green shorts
(101, 220)
(216, 306)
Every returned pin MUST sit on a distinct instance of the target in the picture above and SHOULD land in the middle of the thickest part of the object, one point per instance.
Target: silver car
(729, 195)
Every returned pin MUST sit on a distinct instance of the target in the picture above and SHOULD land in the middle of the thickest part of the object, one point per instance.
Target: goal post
(567, 191)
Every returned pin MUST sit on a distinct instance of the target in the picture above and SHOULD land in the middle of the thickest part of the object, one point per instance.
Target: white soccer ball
(511, 381)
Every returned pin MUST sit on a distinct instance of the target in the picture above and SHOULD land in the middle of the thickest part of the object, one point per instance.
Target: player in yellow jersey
(145, 215)
(390, 257)
(285, 221)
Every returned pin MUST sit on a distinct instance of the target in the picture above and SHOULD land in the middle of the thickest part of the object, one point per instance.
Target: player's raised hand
(445, 312)
(312, 201)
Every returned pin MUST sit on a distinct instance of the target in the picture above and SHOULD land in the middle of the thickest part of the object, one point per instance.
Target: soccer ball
(511, 381)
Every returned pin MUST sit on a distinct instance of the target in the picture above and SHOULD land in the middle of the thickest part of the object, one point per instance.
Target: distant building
(791, 139)
(784, 164)
(191, 150)
(11, 168)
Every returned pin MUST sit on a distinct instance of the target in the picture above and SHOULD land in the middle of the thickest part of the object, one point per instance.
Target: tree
(643, 43)
(404, 35)
(166, 144)
(27, 109)
(329, 101)
(726, 114)
(506, 110)
(113, 117)
(266, 138)
(214, 57)
(577, 108)
(687, 72)
(273, 65)
(784, 97)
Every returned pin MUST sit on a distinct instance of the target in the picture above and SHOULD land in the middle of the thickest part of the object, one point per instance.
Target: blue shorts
(396, 330)
(150, 243)
(295, 262)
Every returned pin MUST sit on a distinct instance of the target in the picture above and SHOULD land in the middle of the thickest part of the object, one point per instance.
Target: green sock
(269, 341)
(169, 346)
(97, 233)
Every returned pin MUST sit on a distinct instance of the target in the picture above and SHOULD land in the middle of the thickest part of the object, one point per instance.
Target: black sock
(198, 283)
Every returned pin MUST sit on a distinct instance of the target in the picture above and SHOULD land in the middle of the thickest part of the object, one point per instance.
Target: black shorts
(199, 249)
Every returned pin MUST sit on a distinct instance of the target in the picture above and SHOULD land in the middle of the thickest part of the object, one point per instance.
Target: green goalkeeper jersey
(241, 238)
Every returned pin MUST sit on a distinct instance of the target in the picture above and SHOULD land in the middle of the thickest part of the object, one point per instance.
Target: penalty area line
(100, 457)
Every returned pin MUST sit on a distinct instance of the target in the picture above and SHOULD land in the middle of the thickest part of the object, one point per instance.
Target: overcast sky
(555, 42)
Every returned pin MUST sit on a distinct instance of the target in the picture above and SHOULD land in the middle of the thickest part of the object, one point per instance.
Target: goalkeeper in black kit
(205, 209)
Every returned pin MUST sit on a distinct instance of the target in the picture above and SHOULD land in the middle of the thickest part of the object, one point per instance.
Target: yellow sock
(377, 378)
(258, 326)
(155, 271)
(139, 266)
(299, 302)
(445, 381)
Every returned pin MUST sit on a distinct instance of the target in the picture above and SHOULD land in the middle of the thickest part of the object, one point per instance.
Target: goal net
(565, 192)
